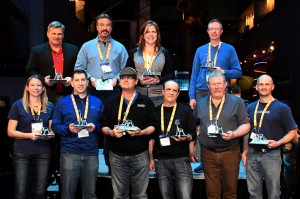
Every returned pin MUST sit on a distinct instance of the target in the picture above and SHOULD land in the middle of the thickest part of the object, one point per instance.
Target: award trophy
(259, 139)
(127, 125)
(45, 134)
(58, 77)
(82, 122)
(209, 65)
(218, 131)
(179, 131)
(149, 73)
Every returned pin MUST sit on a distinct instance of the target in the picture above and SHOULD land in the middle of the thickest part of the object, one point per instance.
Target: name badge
(37, 127)
(164, 141)
(106, 68)
(83, 133)
(253, 135)
(211, 129)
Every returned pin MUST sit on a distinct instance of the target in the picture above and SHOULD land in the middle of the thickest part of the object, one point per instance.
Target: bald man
(271, 120)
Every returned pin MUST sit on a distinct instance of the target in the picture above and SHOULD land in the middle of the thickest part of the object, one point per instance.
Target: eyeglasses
(216, 29)
(127, 77)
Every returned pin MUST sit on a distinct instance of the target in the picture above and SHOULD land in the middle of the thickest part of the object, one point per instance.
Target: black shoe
(199, 168)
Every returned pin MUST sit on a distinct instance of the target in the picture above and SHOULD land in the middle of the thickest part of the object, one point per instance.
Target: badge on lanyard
(83, 133)
(211, 129)
(37, 127)
(164, 141)
(105, 68)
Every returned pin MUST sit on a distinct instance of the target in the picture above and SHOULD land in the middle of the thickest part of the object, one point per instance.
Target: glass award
(149, 73)
(82, 122)
(58, 77)
(179, 131)
(127, 125)
(45, 134)
(209, 65)
(259, 139)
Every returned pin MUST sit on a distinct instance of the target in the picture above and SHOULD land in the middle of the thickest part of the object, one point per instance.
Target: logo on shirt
(141, 105)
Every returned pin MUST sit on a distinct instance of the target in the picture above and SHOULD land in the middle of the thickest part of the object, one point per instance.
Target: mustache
(104, 31)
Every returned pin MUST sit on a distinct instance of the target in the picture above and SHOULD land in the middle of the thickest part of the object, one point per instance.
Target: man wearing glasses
(213, 56)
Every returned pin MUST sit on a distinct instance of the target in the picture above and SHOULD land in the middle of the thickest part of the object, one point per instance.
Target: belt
(222, 149)
(260, 150)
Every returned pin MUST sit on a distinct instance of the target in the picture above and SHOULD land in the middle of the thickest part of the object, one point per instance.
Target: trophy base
(178, 136)
(47, 136)
(127, 128)
(208, 68)
(82, 126)
(262, 142)
(57, 80)
(149, 75)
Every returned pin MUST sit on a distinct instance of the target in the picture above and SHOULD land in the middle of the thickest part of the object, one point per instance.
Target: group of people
(112, 88)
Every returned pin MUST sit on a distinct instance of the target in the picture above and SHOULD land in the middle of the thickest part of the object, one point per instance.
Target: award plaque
(127, 126)
(82, 123)
(209, 65)
(58, 77)
(179, 131)
(259, 139)
(149, 73)
(45, 134)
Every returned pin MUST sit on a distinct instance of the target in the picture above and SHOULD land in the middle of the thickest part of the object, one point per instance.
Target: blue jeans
(263, 167)
(74, 167)
(174, 176)
(31, 173)
(129, 171)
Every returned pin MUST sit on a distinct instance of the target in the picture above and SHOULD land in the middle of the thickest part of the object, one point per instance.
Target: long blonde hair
(44, 97)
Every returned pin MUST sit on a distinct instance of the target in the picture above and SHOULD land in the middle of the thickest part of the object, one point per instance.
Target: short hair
(215, 20)
(103, 16)
(164, 84)
(142, 30)
(79, 72)
(56, 24)
(215, 74)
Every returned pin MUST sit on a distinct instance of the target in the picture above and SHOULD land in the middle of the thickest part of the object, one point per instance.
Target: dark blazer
(41, 62)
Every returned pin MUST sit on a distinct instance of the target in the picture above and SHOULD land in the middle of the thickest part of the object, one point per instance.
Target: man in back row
(53, 58)
(215, 55)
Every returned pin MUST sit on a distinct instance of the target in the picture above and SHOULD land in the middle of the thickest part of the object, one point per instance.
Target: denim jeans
(263, 167)
(174, 176)
(221, 169)
(31, 173)
(74, 167)
(129, 172)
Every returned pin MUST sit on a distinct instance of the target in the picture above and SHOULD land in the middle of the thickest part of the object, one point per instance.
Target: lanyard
(38, 113)
(127, 109)
(162, 121)
(209, 53)
(77, 111)
(219, 111)
(262, 114)
(107, 52)
(148, 60)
